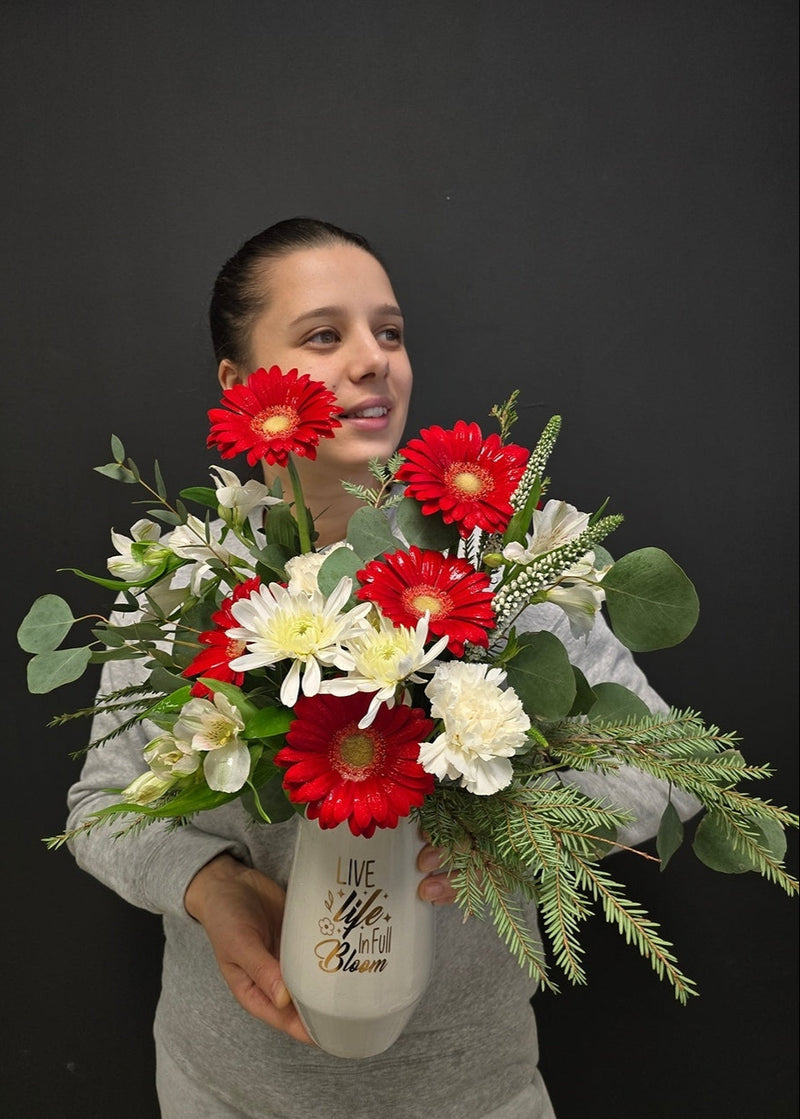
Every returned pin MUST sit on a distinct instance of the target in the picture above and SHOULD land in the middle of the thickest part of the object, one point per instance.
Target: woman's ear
(228, 374)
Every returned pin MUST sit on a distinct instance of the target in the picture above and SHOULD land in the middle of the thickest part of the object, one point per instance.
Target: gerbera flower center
(356, 753)
(469, 478)
(420, 598)
(276, 421)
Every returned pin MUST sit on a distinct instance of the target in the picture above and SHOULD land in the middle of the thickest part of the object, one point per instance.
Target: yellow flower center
(276, 421)
(423, 602)
(420, 598)
(357, 750)
(469, 479)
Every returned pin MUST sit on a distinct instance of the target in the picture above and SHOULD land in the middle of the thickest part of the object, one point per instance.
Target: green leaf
(369, 533)
(338, 564)
(117, 449)
(616, 704)
(268, 722)
(117, 473)
(426, 531)
(651, 602)
(47, 671)
(271, 562)
(171, 563)
(670, 834)
(281, 528)
(201, 495)
(272, 799)
(45, 625)
(161, 488)
(584, 694)
(542, 677)
(714, 843)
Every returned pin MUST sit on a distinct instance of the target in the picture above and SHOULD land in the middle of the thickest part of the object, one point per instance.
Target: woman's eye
(391, 334)
(323, 337)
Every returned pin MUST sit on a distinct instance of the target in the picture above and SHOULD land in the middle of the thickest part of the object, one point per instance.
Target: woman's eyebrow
(334, 310)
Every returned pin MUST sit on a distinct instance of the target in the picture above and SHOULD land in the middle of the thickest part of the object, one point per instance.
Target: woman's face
(331, 313)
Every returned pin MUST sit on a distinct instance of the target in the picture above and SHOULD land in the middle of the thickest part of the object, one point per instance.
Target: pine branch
(634, 924)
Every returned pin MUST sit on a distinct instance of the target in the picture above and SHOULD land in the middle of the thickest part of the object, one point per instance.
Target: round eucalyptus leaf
(651, 602)
(541, 675)
(45, 625)
(48, 671)
(714, 843)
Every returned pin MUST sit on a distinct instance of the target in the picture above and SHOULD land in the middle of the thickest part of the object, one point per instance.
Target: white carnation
(484, 725)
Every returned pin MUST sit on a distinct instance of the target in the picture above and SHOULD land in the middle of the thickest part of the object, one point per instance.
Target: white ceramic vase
(357, 943)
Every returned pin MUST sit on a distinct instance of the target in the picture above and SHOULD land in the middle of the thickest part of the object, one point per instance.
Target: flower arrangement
(401, 672)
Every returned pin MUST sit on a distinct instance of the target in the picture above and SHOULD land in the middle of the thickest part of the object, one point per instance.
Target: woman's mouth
(374, 413)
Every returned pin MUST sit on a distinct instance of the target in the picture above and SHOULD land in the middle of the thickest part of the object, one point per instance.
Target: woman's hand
(435, 887)
(241, 911)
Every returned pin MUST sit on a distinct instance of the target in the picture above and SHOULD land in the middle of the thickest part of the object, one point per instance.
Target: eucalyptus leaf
(370, 534)
(584, 694)
(616, 704)
(47, 671)
(670, 834)
(46, 624)
(651, 602)
(426, 531)
(541, 675)
(117, 449)
(714, 843)
(338, 564)
(117, 473)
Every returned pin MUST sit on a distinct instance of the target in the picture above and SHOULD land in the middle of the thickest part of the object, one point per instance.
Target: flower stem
(300, 511)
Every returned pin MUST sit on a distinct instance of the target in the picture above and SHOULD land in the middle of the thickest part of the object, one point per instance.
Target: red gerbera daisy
(466, 478)
(274, 415)
(458, 598)
(214, 661)
(368, 777)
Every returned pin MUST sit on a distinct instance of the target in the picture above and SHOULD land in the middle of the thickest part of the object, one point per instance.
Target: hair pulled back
(239, 291)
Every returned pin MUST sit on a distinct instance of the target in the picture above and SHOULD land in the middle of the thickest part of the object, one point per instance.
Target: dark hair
(238, 295)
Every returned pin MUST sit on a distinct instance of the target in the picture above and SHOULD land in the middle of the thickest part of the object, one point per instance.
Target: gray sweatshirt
(470, 1050)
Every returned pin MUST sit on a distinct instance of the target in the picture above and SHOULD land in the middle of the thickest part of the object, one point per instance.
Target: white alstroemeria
(383, 658)
(304, 569)
(146, 788)
(140, 555)
(484, 725)
(213, 728)
(277, 624)
(579, 594)
(553, 526)
(237, 500)
(195, 541)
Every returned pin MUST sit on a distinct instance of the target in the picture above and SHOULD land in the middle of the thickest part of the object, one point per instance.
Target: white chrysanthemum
(553, 526)
(237, 501)
(579, 594)
(277, 624)
(140, 555)
(484, 725)
(383, 658)
(213, 728)
(304, 569)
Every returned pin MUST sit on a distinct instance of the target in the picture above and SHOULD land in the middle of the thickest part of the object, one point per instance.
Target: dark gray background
(594, 201)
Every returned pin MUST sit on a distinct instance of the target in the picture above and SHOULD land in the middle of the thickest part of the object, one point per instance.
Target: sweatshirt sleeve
(602, 657)
(150, 868)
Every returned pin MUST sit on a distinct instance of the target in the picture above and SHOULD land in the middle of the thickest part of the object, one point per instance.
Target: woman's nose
(366, 358)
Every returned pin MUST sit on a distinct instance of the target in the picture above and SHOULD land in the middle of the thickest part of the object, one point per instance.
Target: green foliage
(542, 676)
(45, 625)
(47, 671)
(651, 603)
(370, 534)
(339, 564)
(429, 532)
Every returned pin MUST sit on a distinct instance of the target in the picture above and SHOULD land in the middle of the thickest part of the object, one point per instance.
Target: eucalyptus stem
(300, 511)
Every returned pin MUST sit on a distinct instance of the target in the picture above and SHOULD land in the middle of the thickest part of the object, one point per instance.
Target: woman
(306, 294)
